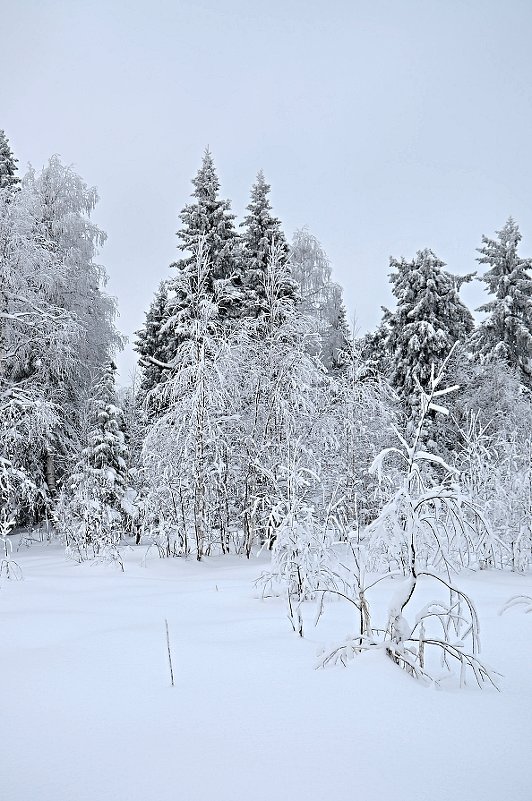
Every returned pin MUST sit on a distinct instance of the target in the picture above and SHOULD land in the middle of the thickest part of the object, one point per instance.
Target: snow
(88, 713)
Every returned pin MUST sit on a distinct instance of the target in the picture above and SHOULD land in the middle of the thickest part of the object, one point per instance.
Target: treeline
(258, 418)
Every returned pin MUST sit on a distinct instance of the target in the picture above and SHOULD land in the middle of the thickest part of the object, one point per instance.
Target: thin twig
(169, 652)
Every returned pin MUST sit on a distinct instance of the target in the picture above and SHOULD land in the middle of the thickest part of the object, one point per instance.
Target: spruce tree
(208, 224)
(154, 343)
(8, 178)
(209, 219)
(373, 348)
(208, 237)
(428, 320)
(262, 232)
(506, 332)
(90, 512)
(105, 454)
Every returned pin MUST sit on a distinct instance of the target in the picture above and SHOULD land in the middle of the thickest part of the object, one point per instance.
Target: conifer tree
(373, 348)
(8, 178)
(262, 232)
(153, 343)
(428, 320)
(207, 228)
(208, 223)
(90, 513)
(506, 332)
(106, 448)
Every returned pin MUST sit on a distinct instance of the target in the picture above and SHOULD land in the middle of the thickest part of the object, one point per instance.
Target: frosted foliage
(154, 343)
(361, 413)
(184, 452)
(321, 299)
(208, 222)
(310, 265)
(209, 237)
(284, 392)
(33, 327)
(66, 204)
(497, 473)
(8, 177)
(262, 232)
(90, 513)
(235, 401)
(27, 432)
(506, 332)
(55, 323)
(431, 524)
(428, 320)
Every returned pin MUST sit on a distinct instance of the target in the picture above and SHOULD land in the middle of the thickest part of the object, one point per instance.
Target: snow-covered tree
(428, 522)
(506, 332)
(282, 395)
(429, 318)
(208, 224)
(321, 298)
(56, 325)
(184, 452)
(91, 514)
(262, 232)
(154, 344)
(8, 169)
(35, 333)
(373, 350)
(361, 412)
(76, 287)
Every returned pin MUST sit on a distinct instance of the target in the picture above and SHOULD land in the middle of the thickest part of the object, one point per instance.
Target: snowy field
(88, 713)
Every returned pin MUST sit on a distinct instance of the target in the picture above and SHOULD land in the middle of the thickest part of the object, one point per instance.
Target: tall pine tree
(506, 332)
(428, 320)
(90, 512)
(153, 343)
(208, 225)
(262, 233)
(8, 177)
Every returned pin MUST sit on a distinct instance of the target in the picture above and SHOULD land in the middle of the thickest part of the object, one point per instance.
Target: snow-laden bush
(497, 474)
(429, 520)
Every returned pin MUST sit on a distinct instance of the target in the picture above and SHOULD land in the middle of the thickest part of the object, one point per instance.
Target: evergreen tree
(209, 237)
(208, 223)
(506, 333)
(428, 320)
(262, 232)
(153, 343)
(373, 348)
(106, 454)
(210, 220)
(90, 513)
(8, 163)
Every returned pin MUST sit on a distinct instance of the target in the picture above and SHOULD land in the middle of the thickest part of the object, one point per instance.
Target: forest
(260, 422)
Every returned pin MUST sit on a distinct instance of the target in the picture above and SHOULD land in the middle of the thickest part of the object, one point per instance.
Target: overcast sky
(386, 126)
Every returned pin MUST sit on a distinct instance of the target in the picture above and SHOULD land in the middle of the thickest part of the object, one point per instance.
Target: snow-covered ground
(88, 713)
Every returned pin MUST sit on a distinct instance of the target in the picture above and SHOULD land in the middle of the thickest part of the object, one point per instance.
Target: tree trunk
(49, 472)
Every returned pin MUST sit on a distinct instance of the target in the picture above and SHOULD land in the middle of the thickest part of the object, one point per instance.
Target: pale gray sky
(385, 126)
